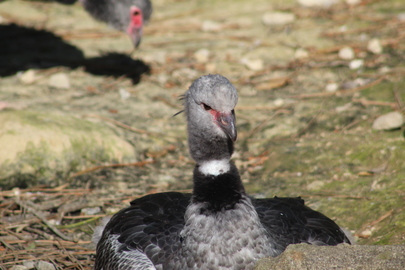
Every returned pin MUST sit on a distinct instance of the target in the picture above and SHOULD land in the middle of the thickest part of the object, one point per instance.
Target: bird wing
(150, 226)
(291, 222)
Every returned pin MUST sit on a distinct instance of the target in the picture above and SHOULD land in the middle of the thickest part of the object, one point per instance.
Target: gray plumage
(218, 226)
(125, 15)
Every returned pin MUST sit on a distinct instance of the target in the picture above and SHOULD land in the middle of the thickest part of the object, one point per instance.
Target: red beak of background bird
(135, 25)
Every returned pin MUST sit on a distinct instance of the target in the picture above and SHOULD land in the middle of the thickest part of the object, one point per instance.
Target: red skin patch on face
(136, 20)
(215, 113)
(136, 17)
(217, 116)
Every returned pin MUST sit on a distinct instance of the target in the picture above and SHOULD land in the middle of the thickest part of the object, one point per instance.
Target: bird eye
(136, 13)
(206, 107)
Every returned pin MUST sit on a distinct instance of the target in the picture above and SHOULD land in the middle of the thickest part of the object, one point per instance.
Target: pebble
(210, 26)
(162, 79)
(202, 55)
(355, 83)
(277, 18)
(346, 53)
(43, 265)
(353, 2)
(90, 210)
(332, 87)
(389, 121)
(384, 70)
(315, 185)
(344, 108)
(356, 64)
(366, 233)
(211, 67)
(158, 57)
(301, 53)
(59, 80)
(401, 16)
(124, 94)
(28, 77)
(253, 64)
(374, 46)
(317, 3)
(279, 102)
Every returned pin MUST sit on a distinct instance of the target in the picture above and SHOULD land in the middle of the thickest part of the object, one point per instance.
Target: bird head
(135, 26)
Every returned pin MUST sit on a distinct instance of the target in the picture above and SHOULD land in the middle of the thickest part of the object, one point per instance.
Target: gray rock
(303, 256)
(389, 121)
(29, 264)
(59, 80)
(43, 265)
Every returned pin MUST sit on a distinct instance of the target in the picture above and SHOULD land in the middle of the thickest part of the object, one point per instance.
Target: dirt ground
(304, 116)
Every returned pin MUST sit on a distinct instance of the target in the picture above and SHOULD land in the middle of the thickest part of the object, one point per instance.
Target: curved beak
(136, 36)
(227, 122)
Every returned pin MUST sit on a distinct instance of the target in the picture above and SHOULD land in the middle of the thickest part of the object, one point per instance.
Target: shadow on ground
(24, 48)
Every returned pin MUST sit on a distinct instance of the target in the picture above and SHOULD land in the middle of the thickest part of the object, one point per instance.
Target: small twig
(36, 231)
(83, 217)
(352, 124)
(366, 102)
(310, 123)
(378, 220)
(398, 98)
(78, 224)
(71, 257)
(31, 208)
(137, 164)
(6, 244)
